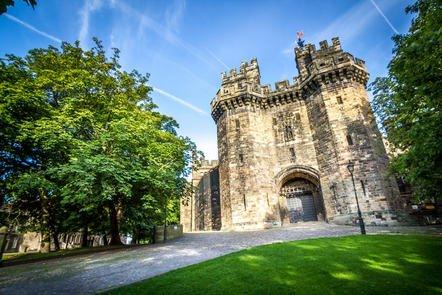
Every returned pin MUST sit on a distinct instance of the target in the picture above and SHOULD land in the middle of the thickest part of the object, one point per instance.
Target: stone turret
(283, 152)
(333, 82)
(248, 73)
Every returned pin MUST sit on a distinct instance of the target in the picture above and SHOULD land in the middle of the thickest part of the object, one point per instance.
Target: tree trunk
(45, 244)
(105, 242)
(84, 235)
(54, 233)
(115, 232)
(56, 241)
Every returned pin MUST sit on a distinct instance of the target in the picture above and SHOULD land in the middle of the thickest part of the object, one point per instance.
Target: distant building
(283, 152)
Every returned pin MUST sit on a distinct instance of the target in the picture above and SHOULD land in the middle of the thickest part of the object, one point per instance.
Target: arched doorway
(299, 195)
(300, 192)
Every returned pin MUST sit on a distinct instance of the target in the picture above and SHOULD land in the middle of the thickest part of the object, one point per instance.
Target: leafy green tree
(408, 101)
(85, 135)
(22, 161)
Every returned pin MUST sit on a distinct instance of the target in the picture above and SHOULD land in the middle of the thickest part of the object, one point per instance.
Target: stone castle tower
(283, 152)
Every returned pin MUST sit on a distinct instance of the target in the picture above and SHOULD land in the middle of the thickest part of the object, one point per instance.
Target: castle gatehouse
(283, 152)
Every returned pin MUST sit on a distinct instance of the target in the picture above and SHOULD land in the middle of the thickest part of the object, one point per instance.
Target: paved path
(96, 272)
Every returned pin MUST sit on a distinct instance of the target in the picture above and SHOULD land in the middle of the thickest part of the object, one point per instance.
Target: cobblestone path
(92, 273)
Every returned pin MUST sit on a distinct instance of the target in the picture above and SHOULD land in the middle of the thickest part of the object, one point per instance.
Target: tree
(27, 191)
(85, 138)
(5, 3)
(408, 101)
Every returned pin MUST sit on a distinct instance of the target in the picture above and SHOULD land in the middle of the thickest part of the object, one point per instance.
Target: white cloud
(32, 28)
(384, 16)
(180, 101)
(162, 31)
(122, 37)
(349, 25)
(174, 14)
(180, 66)
(217, 59)
(148, 22)
(85, 12)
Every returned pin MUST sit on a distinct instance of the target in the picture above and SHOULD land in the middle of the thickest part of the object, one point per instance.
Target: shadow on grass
(350, 265)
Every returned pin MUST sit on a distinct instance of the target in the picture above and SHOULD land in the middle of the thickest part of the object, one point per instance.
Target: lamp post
(351, 169)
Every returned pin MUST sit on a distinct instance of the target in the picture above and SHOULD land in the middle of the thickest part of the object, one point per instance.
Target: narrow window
(237, 124)
(298, 116)
(244, 200)
(241, 158)
(339, 99)
(349, 139)
(268, 202)
(363, 188)
(274, 121)
(292, 154)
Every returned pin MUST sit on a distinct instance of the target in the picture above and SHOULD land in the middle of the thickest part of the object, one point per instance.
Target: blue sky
(185, 45)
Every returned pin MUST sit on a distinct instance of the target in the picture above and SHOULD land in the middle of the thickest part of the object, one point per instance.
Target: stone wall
(31, 241)
(172, 232)
(309, 129)
(345, 130)
(202, 211)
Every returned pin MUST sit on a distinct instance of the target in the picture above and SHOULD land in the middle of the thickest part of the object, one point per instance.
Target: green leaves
(408, 102)
(88, 134)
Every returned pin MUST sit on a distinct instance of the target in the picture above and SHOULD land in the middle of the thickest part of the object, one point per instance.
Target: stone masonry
(202, 211)
(283, 152)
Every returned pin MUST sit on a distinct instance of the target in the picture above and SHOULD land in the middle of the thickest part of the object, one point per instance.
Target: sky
(186, 45)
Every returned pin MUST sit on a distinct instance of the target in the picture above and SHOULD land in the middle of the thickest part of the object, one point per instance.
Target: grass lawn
(373, 264)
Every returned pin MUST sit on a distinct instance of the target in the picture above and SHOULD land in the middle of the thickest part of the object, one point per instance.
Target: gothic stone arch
(300, 194)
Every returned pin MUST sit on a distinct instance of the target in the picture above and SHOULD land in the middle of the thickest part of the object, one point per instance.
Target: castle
(283, 152)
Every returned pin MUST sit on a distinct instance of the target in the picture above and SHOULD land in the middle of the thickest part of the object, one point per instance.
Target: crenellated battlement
(312, 62)
(285, 148)
(310, 49)
(209, 163)
(205, 166)
(317, 67)
(248, 72)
